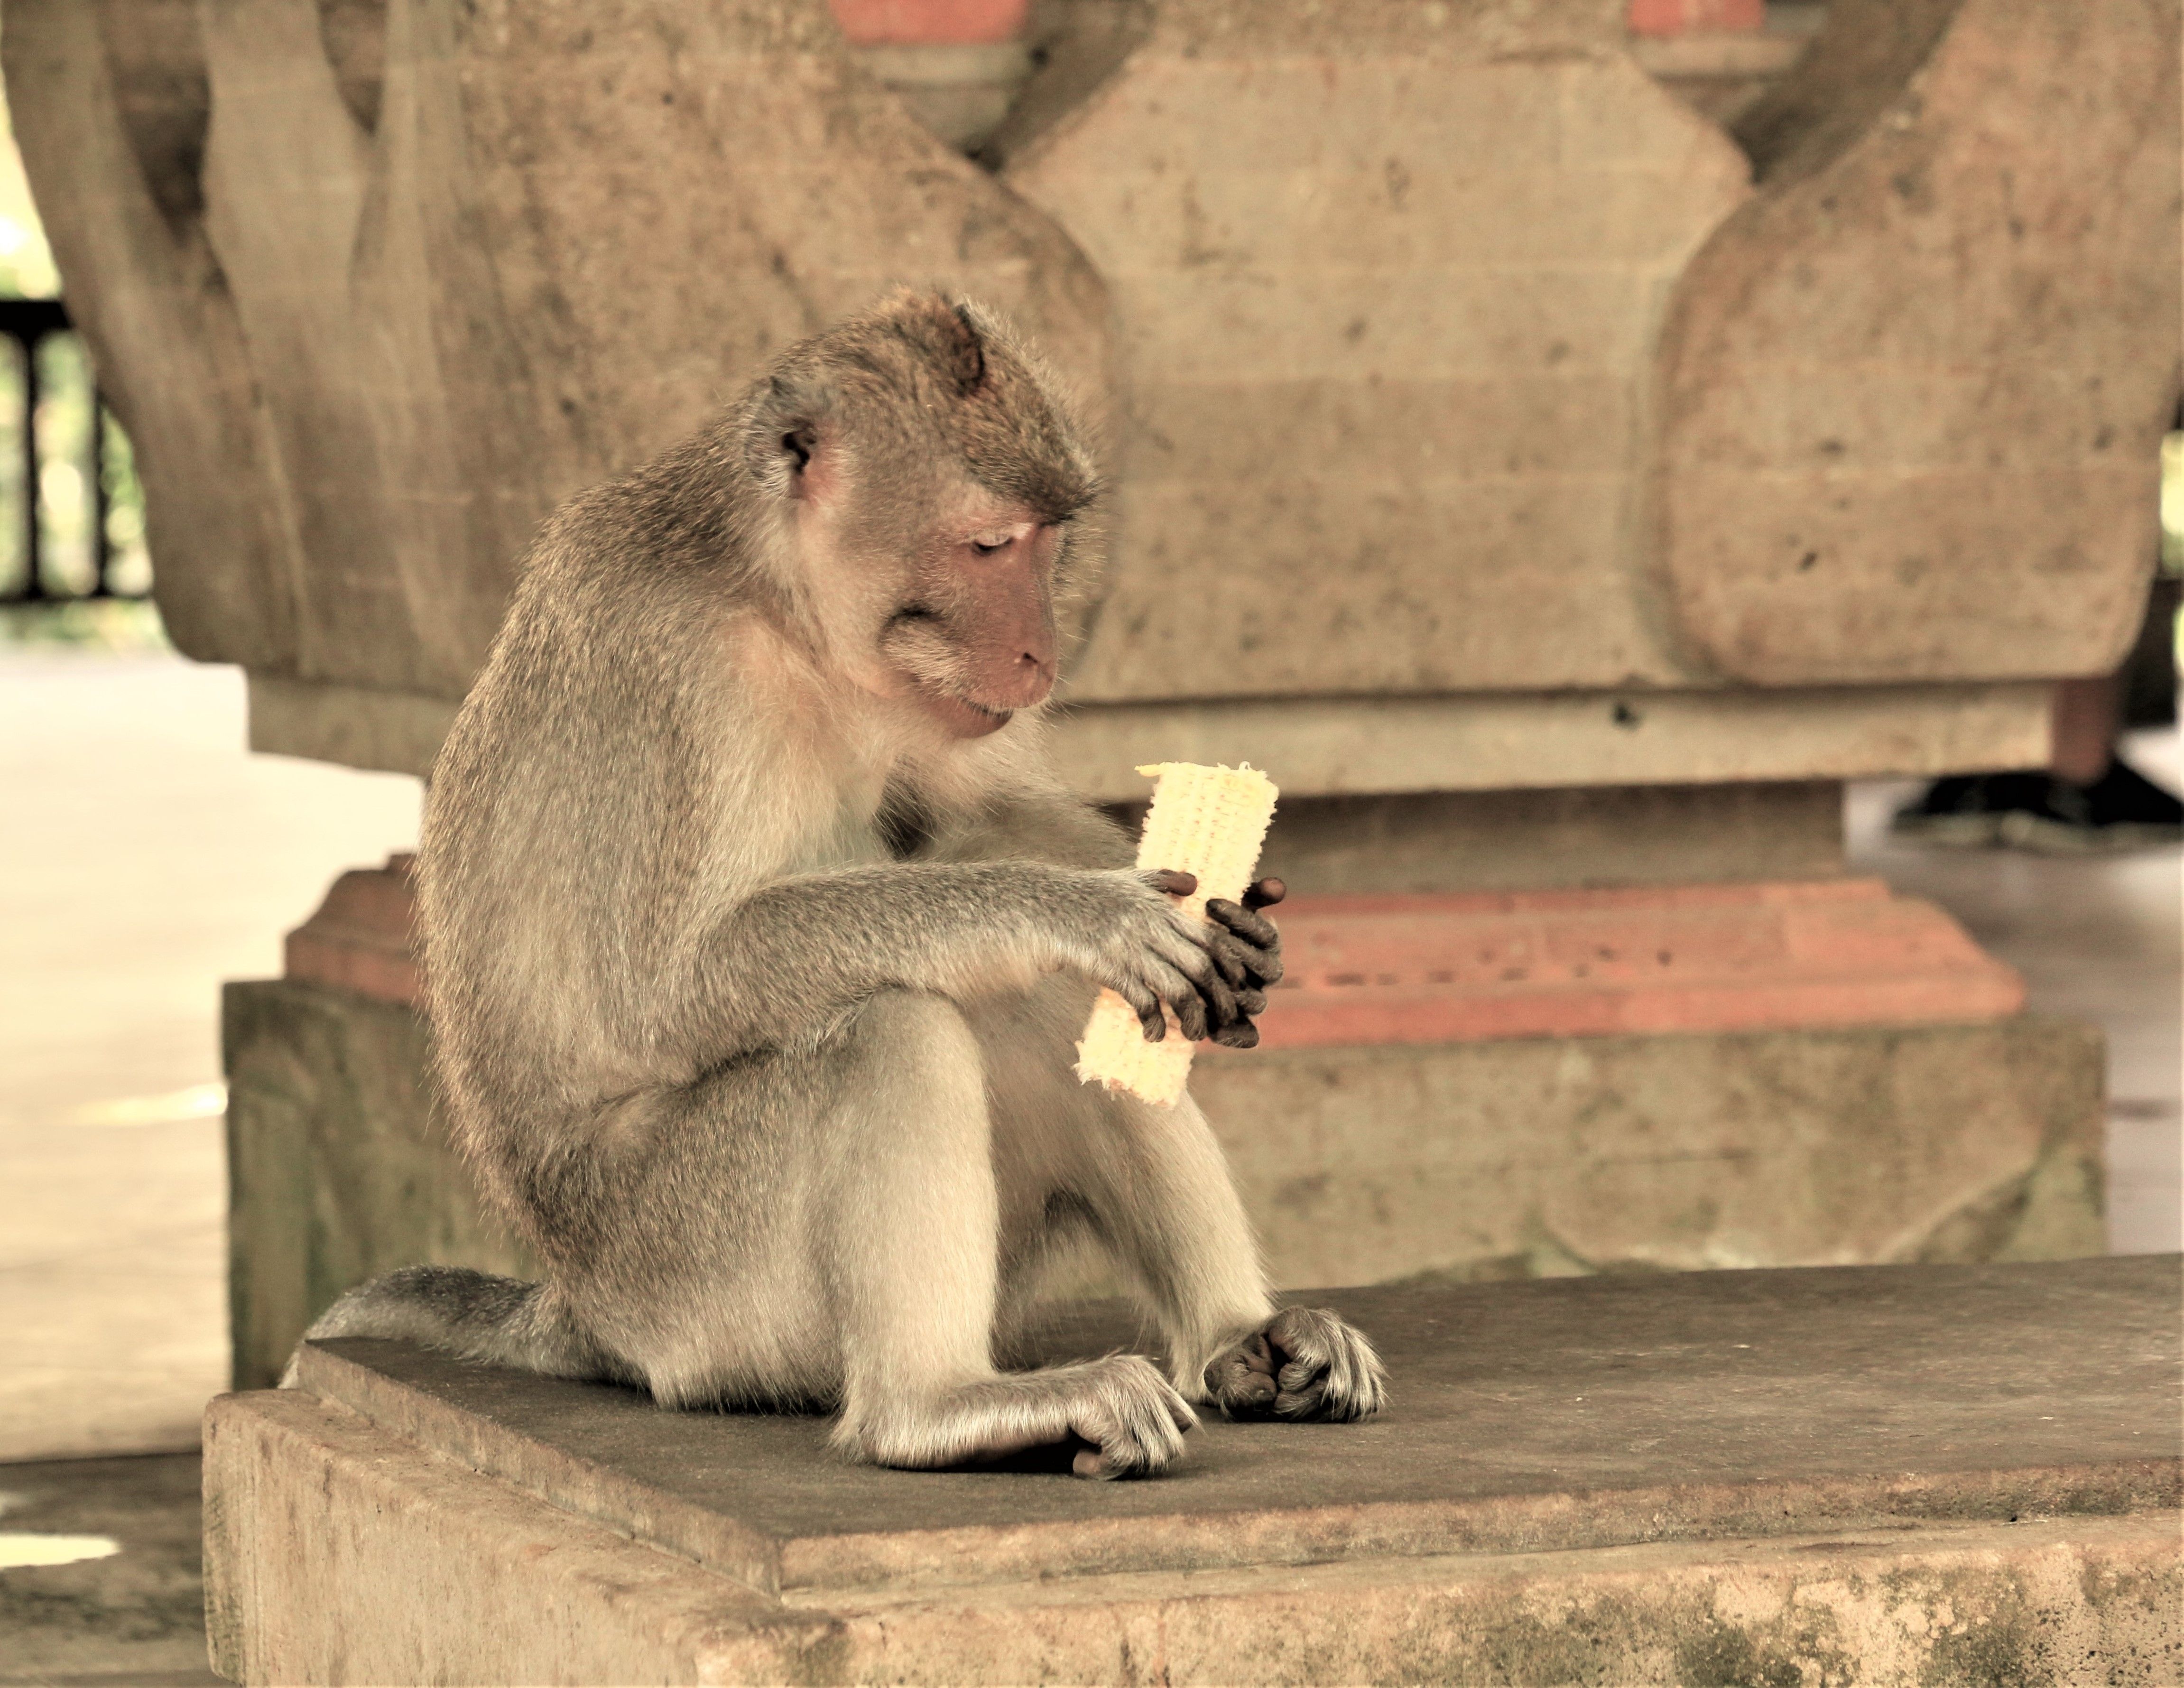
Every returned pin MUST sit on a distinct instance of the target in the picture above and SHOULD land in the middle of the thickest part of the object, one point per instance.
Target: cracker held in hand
(1207, 821)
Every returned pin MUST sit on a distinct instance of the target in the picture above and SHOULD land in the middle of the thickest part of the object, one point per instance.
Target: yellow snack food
(1210, 823)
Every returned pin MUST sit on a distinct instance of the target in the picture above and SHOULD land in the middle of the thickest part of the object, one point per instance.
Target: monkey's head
(927, 475)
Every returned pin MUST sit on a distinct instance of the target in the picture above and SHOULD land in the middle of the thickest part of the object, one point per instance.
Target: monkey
(757, 928)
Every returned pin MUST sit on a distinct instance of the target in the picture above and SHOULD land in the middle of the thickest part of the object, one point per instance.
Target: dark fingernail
(1265, 895)
(1177, 883)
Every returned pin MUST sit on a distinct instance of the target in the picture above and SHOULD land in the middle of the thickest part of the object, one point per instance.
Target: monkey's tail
(502, 1321)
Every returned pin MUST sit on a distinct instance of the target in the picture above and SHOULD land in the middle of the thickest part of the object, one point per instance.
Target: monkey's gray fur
(757, 933)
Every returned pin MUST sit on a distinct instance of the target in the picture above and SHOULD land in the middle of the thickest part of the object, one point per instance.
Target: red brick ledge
(359, 939)
(1678, 958)
(1411, 969)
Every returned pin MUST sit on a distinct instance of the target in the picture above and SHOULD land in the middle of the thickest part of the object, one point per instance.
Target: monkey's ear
(785, 436)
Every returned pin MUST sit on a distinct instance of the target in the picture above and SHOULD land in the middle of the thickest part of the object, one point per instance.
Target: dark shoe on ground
(2122, 810)
(2032, 810)
(1965, 810)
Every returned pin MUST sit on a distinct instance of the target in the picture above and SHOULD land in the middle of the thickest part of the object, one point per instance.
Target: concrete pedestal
(1938, 1473)
(1495, 1085)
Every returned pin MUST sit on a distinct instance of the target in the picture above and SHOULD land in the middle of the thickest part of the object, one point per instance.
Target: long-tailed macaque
(759, 931)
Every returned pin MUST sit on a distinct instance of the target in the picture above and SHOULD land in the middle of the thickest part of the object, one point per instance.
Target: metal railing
(30, 324)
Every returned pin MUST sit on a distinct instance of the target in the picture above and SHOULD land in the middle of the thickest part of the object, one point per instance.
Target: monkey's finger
(1220, 1000)
(1145, 1003)
(1254, 929)
(1176, 989)
(1250, 1002)
(1265, 895)
(1237, 1033)
(1229, 955)
(1173, 881)
(1243, 964)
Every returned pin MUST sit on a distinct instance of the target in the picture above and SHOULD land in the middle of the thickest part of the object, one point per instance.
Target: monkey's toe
(1307, 1365)
(1133, 1424)
(1242, 1381)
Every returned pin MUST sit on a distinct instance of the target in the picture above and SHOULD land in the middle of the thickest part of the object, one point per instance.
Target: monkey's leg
(1175, 1213)
(1157, 1186)
(909, 1225)
(1152, 1180)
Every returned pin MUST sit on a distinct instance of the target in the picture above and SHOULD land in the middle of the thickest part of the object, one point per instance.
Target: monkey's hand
(1156, 957)
(1248, 951)
(1306, 1364)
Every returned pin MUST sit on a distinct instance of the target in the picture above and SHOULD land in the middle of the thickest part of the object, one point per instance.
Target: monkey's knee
(911, 1055)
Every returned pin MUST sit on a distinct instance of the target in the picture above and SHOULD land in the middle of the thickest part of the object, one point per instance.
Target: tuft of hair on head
(943, 334)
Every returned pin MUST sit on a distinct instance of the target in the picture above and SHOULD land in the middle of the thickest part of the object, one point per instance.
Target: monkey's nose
(1031, 677)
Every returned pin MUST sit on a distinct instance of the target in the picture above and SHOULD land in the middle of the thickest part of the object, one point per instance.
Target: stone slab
(1566, 835)
(1338, 747)
(1600, 1479)
(1533, 1157)
(338, 1168)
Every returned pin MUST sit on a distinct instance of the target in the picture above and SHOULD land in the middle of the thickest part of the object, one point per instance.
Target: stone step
(1870, 1472)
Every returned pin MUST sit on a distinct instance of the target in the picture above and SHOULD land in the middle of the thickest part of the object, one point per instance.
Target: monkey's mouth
(961, 717)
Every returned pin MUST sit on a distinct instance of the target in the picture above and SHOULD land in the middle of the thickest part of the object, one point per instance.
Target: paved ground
(135, 1616)
(144, 857)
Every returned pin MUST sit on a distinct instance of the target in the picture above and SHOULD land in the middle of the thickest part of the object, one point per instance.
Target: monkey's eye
(987, 543)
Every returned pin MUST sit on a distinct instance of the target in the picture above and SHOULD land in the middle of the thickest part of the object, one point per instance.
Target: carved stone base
(1492, 1085)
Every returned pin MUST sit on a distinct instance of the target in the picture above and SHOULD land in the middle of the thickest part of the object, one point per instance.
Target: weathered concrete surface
(1912, 392)
(1472, 741)
(1530, 840)
(1879, 1475)
(1522, 1157)
(338, 1166)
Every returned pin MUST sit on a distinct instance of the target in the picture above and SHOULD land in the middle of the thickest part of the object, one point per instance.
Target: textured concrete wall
(1527, 1157)
(1386, 280)
(1912, 393)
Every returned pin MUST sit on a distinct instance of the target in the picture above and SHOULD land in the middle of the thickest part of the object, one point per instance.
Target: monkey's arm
(1040, 827)
(787, 964)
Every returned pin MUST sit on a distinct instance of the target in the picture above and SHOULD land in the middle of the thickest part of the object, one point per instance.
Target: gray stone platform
(1869, 1474)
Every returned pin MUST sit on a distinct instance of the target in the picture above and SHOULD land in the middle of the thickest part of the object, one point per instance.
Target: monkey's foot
(1306, 1364)
(1113, 1418)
